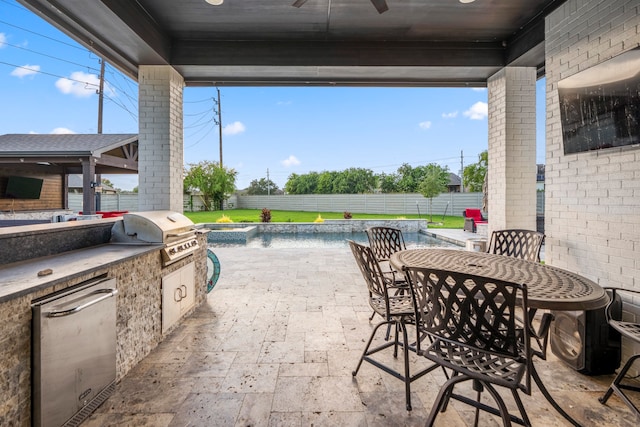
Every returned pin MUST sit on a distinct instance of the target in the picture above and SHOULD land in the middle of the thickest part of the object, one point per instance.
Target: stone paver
(275, 345)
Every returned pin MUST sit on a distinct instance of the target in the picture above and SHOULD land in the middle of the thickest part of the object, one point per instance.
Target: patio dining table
(548, 287)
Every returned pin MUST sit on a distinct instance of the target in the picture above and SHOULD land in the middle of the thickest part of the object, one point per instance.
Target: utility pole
(219, 124)
(268, 184)
(100, 96)
(98, 177)
(461, 172)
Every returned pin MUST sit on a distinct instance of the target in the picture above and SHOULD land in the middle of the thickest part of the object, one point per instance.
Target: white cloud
(479, 89)
(60, 131)
(284, 103)
(233, 128)
(451, 115)
(25, 70)
(3, 40)
(478, 111)
(425, 125)
(82, 85)
(290, 161)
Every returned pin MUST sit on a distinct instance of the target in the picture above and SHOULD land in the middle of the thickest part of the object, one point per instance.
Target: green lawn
(253, 215)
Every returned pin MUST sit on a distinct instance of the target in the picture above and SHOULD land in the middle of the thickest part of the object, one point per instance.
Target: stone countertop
(21, 278)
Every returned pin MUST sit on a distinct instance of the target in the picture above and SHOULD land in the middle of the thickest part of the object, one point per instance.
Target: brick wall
(592, 217)
(593, 198)
(512, 149)
(161, 139)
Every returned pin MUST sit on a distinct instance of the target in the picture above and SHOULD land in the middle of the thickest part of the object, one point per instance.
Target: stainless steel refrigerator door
(74, 341)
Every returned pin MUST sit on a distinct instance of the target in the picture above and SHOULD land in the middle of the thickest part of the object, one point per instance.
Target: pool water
(324, 240)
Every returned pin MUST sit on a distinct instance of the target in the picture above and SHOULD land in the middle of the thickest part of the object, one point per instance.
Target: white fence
(401, 204)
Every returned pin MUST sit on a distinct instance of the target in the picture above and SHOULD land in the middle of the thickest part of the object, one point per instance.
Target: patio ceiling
(323, 42)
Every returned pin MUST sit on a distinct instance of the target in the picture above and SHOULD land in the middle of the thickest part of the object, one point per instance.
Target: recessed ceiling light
(461, 1)
(215, 2)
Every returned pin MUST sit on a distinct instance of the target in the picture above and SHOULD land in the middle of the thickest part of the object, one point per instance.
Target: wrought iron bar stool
(475, 332)
(523, 244)
(629, 330)
(384, 242)
(396, 310)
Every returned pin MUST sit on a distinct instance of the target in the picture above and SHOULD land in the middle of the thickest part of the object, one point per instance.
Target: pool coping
(242, 232)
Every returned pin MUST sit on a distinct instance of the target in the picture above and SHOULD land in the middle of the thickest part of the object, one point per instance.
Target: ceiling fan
(380, 5)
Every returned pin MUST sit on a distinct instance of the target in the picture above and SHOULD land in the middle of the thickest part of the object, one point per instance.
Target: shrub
(347, 215)
(319, 219)
(224, 219)
(265, 215)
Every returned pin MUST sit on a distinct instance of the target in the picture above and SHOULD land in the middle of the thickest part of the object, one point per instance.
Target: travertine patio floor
(275, 345)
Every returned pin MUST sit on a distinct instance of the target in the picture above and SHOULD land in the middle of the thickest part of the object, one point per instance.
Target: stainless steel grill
(174, 230)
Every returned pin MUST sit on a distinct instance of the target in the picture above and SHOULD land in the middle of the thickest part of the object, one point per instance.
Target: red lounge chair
(473, 217)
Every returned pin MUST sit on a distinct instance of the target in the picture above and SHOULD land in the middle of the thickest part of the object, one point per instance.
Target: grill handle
(110, 292)
(184, 233)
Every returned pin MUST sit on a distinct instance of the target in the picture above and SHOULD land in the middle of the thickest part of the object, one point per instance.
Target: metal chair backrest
(376, 281)
(630, 330)
(523, 244)
(473, 311)
(385, 241)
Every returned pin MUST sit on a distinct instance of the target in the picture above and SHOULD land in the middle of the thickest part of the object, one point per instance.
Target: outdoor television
(20, 187)
(600, 106)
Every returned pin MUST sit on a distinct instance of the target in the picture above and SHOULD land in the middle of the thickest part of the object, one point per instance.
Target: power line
(43, 36)
(49, 74)
(50, 56)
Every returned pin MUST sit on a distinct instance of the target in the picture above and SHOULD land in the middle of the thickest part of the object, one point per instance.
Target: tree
(434, 182)
(388, 183)
(108, 183)
(474, 174)
(355, 181)
(410, 178)
(261, 187)
(302, 184)
(214, 182)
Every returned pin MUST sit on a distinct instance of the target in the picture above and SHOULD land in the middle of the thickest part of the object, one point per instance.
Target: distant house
(455, 183)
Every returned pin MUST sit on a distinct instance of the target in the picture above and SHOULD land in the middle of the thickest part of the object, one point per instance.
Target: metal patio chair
(384, 242)
(472, 323)
(629, 330)
(523, 244)
(396, 310)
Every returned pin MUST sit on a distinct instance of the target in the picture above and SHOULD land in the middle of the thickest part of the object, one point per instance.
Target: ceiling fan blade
(380, 5)
(299, 3)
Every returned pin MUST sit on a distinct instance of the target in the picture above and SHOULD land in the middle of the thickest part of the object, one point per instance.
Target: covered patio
(276, 343)
(277, 339)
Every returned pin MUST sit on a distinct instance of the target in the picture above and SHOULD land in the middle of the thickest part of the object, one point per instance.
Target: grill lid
(154, 227)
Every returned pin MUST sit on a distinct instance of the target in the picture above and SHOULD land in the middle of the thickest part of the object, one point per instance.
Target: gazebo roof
(113, 153)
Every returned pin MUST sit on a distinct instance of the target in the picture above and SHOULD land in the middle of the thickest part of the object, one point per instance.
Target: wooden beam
(336, 54)
(117, 162)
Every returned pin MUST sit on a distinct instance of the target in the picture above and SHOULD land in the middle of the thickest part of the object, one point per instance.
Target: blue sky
(48, 85)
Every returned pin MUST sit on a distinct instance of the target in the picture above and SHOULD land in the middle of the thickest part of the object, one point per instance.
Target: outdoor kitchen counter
(21, 278)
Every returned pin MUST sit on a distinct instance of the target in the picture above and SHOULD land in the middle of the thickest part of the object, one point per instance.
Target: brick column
(512, 149)
(160, 156)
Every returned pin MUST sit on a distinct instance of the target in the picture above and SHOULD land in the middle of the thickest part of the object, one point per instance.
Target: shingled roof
(62, 144)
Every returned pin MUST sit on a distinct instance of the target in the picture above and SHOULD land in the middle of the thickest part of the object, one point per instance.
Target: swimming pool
(323, 240)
